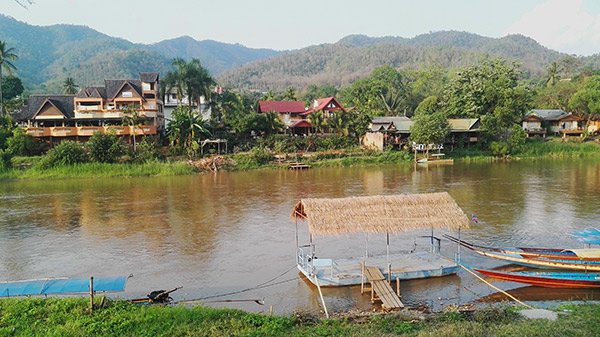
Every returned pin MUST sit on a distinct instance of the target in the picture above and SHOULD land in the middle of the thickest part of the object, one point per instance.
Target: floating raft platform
(348, 271)
(298, 166)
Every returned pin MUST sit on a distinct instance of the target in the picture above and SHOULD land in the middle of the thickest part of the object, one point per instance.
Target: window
(127, 94)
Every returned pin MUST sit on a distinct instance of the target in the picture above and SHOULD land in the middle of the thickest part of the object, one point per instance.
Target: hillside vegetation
(49, 54)
(356, 56)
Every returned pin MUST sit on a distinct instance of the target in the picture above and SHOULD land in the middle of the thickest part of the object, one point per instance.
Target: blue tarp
(61, 286)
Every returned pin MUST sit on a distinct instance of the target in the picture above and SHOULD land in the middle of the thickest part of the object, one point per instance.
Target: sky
(571, 26)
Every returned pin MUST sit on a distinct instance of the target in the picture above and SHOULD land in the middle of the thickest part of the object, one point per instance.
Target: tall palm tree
(6, 56)
(192, 79)
(69, 86)
(552, 76)
(132, 119)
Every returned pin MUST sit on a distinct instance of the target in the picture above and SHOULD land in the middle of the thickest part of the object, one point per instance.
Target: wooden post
(91, 293)
(362, 277)
(389, 262)
(398, 287)
(321, 295)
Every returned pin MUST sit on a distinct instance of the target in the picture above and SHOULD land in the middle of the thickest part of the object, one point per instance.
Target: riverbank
(102, 170)
(263, 159)
(70, 317)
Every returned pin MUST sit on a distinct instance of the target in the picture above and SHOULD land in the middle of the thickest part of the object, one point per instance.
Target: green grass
(557, 149)
(101, 170)
(70, 317)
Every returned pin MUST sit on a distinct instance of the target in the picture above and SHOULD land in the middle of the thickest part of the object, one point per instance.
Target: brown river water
(226, 232)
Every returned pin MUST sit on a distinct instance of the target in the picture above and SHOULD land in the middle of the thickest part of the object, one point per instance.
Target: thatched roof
(380, 214)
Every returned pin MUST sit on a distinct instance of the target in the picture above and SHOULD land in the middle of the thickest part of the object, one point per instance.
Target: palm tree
(337, 121)
(290, 94)
(132, 119)
(186, 127)
(6, 56)
(317, 120)
(192, 79)
(552, 76)
(69, 86)
(24, 3)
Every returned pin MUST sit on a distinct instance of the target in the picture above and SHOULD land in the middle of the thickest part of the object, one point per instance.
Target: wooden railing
(86, 131)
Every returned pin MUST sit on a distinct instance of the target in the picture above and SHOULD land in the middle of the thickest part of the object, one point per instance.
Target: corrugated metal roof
(463, 124)
(281, 106)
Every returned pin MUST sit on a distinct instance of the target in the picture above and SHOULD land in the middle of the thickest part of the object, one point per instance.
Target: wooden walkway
(381, 288)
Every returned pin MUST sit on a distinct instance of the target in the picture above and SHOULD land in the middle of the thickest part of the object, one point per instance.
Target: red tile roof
(281, 106)
(322, 104)
(303, 123)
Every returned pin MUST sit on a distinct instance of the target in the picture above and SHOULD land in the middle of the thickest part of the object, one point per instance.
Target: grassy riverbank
(260, 159)
(70, 317)
(101, 170)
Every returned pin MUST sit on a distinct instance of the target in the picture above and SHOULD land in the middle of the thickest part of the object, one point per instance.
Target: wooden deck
(381, 289)
(298, 166)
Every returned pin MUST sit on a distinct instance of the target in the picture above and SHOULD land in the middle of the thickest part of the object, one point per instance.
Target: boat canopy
(586, 252)
(55, 286)
(380, 214)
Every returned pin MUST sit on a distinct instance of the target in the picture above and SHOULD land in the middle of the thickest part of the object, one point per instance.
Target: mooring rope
(262, 285)
(493, 286)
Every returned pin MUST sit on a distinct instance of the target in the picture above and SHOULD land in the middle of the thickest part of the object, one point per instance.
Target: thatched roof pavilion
(380, 214)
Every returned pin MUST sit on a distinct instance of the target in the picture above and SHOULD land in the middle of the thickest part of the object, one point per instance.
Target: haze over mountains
(49, 54)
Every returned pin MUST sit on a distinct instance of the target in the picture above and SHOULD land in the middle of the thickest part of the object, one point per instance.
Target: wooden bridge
(381, 289)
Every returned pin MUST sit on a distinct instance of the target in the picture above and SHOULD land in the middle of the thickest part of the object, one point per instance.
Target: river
(219, 233)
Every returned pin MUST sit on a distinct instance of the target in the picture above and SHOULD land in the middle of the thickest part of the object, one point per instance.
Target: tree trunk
(1, 99)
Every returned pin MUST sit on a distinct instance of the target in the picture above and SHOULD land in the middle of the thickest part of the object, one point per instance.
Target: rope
(265, 284)
(493, 286)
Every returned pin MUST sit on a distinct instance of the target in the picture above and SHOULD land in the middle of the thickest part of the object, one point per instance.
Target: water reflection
(220, 232)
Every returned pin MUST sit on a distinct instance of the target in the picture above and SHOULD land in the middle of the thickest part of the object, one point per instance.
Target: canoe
(581, 254)
(547, 279)
(588, 232)
(61, 286)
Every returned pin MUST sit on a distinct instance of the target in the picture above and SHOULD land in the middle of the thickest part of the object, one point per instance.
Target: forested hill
(356, 56)
(216, 56)
(49, 54)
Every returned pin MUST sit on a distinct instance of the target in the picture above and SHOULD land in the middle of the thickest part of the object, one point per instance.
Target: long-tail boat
(582, 254)
(553, 259)
(547, 279)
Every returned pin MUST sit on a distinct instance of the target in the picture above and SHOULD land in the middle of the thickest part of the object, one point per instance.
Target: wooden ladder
(381, 289)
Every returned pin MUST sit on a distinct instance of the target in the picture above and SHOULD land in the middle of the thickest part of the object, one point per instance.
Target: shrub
(261, 155)
(24, 162)
(22, 144)
(105, 148)
(5, 157)
(65, 153)
(146, 151)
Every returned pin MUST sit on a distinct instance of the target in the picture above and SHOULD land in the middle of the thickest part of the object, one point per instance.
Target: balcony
(63, 131)
(87, 131)
(38, 132)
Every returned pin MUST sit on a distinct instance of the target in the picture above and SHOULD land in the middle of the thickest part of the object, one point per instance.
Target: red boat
(547, 279)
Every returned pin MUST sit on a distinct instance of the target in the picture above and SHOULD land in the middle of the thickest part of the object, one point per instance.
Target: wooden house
(395, 131)
(95, 109)
(295, 116)
(552, 121)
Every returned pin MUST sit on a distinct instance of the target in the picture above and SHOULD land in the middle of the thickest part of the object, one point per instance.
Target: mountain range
(356, 56)
(49, 54)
